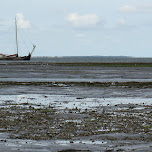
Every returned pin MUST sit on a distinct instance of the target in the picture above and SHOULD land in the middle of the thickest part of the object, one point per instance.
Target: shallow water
(27, 72)
(65, 101)
(67, 142)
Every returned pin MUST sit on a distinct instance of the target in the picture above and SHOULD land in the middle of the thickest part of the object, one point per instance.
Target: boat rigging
(16, 56)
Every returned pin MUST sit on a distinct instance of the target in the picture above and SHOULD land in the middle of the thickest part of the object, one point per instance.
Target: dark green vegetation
(106, 64)
(110, 64)
(27, 121)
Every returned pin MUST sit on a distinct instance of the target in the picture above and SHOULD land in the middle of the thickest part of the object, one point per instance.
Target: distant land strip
(131, 84)
(102, 64)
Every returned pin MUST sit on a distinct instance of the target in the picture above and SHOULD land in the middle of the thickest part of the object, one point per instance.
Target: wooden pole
(16, 37)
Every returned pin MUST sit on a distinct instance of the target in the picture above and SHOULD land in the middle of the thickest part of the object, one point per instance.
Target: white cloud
(128, 9)
(80, 35)
(136, 8)
(21, 22)
(87, 20)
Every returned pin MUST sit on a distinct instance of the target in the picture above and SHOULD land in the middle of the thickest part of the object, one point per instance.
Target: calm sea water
(89, 59)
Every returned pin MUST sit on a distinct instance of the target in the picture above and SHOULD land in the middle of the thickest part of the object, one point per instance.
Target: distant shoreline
(88, 59)
(100, 64)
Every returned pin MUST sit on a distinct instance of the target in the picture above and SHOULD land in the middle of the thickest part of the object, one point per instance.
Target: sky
(77, 27)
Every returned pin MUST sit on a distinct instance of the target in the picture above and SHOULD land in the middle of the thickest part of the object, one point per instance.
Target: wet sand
(52, 107)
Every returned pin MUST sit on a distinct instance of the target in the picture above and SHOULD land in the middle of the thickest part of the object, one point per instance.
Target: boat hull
(17, 58)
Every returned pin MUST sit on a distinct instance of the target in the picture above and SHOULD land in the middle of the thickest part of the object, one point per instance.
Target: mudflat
(75, 107)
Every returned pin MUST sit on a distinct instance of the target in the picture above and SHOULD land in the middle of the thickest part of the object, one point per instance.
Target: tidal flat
(49, 107)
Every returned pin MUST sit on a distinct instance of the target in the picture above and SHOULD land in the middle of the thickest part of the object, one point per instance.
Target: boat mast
(16, 37)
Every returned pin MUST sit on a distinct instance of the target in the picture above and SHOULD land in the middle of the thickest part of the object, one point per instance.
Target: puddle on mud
(65, 101)
(21, 143)
(89, 142)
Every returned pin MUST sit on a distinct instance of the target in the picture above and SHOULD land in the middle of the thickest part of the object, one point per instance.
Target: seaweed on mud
(28, 122)
(108, 64)
(74, 150)
(132, 84)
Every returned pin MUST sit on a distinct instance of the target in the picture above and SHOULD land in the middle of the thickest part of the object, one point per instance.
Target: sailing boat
(15, 56)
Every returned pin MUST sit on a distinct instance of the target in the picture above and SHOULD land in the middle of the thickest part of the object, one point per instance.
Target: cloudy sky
(78, 27)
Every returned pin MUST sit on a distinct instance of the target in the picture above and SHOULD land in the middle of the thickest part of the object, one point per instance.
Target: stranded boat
(15, 56)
